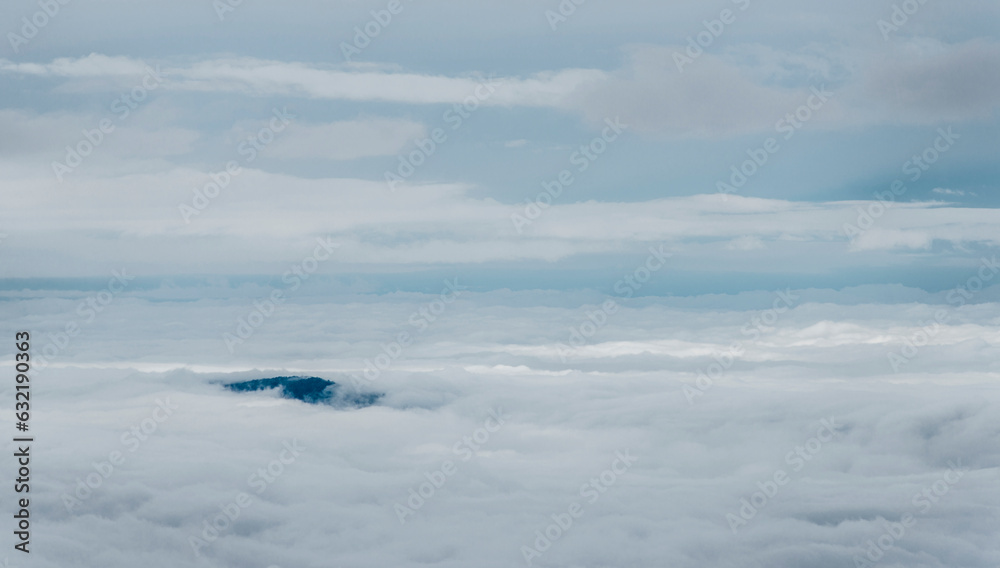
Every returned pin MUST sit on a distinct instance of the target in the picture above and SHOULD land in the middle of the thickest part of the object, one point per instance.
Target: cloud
(892, 435)
(432, 224)
(946, 191)
(711, 98)
(346, 140)
(93, 65)
(878, 239)
(46, 135)
(746, 243)
(742, 90)
(927, 81)
(877, 403)
(257, 77)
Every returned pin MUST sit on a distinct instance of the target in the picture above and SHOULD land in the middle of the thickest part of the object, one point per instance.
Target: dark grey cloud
(930, 82)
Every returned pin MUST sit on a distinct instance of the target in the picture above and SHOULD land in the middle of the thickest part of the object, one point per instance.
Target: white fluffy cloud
(627, 390)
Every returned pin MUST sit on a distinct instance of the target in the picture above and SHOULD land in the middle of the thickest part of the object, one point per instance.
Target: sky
(354, 159)
(706, 233)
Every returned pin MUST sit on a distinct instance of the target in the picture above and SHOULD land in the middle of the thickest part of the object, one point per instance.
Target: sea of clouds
(759, 429)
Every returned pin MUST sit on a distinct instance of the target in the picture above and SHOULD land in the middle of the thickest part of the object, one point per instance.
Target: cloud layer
(636, 387)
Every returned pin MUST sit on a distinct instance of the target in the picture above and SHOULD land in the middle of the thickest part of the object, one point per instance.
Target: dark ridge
(313, 390)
